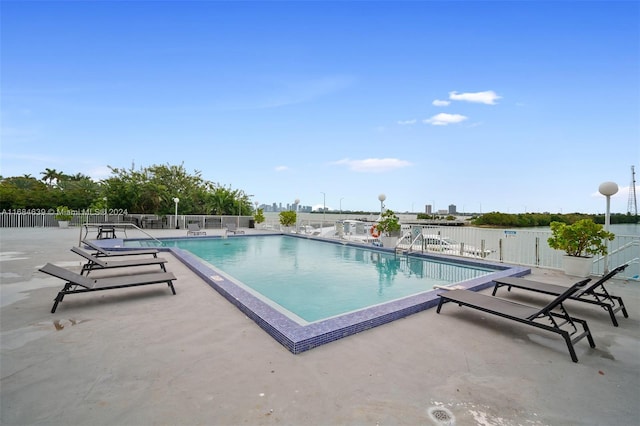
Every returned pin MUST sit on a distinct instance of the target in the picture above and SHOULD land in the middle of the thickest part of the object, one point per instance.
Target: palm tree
(50, 175)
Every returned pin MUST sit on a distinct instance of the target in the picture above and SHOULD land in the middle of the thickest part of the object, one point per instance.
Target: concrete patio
(142, 356)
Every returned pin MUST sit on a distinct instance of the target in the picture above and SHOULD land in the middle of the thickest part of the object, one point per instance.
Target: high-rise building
(427, 208)
(452, 209)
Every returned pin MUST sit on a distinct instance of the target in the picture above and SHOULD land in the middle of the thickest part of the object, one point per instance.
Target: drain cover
(441, 416)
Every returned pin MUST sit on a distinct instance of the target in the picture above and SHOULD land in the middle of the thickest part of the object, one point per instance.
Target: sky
(510, 106)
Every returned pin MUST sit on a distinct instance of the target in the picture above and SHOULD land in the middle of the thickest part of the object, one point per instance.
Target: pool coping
(298, 338)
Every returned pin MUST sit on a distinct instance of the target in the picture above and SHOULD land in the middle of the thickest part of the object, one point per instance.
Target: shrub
(581, 239)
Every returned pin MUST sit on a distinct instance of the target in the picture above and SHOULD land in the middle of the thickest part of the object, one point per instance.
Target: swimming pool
(281, 282)
(311, 281)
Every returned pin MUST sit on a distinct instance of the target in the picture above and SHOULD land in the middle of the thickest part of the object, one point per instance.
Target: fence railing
(530, 248)
(520, 247)
(46, 219)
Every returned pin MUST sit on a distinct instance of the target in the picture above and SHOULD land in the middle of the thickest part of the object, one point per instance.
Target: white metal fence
(30, 219)
(513, 246)
(530, 247)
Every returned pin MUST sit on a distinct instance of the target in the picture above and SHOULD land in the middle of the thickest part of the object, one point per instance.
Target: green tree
(259, 216)
(582, 238)
(389, 223)
(220, 200)
(288, 218)
(24, 192)
(51, 176)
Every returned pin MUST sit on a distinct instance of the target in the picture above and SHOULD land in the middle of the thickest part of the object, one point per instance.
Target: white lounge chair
(231, 227)
(194, 229)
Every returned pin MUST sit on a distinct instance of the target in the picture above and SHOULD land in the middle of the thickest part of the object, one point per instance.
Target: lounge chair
(231, 227)
(95, 262)
(594, 294)
(76, 283)
(102, 252)
(545, 318)
(194, 229)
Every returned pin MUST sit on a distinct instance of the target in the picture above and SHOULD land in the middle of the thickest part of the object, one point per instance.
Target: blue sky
(491, 106)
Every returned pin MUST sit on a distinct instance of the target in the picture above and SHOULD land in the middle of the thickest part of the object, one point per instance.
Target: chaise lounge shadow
(76, 283)
(551, 317)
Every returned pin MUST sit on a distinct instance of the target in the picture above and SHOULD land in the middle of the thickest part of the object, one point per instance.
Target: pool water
(313, 280)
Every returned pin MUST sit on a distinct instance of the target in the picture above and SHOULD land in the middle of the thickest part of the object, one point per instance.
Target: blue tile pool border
(299, 338)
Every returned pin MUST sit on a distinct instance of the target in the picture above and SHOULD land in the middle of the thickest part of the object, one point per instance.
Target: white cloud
(439, 102)
(444, 119)
(373, 165)
(489, 97)
(99, 172)
(405, 122)
(623, 192)
(281, 168)
(319, 207)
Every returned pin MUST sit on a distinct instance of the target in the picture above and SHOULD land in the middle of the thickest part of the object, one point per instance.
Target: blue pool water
(313, 280)
(308, 266)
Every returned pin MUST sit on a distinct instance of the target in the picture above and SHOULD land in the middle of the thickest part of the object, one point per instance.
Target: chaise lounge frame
(595, 294)
(530, 315)
(94, 262)
(232, 227)
(76, 283)
(194, 229)
(101, 252)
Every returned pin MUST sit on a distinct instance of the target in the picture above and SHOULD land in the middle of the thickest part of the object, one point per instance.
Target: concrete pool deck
(143, 356)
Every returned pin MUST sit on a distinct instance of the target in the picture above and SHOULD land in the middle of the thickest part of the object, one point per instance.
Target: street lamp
(106, 209)
(381, 198)
(240, 206)
(324, 207)
(176, 200)
(341, 207)
(607, 189)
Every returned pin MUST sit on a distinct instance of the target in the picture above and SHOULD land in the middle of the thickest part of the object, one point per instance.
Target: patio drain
(441, 416)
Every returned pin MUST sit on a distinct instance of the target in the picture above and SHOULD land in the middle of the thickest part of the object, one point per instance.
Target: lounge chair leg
(440, 305)
(621, 303)
(572, 352)
(172, 288)
(57, 300)
(589, 336)
(612, 314)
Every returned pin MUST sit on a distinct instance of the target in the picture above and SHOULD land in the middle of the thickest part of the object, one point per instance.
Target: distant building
(427, 209)
(452, 209)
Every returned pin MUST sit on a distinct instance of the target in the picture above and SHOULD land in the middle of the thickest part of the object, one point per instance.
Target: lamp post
(240, 206)
(176, 200)
(106, 209)
(324, 207)
(296, 202)
(607, 189)
(381, 198)
(341, 207)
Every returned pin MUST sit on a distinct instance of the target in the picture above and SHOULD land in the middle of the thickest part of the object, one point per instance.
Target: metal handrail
(123, 225)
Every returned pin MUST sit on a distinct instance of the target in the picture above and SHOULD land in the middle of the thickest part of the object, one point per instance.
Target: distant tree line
(148, 190)
(528, 220)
